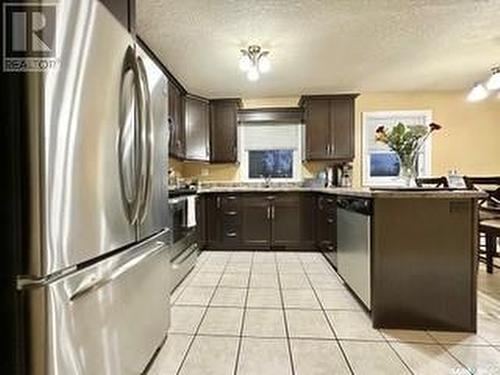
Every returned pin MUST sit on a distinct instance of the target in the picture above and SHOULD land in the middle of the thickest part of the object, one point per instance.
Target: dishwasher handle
(363, 206)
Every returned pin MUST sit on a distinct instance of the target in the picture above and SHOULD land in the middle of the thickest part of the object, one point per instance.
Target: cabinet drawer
(227, 202)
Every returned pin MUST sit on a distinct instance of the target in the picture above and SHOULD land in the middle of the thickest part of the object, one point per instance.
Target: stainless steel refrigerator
(92, 271)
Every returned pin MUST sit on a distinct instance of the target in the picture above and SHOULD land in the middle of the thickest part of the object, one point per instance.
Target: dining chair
(489, 216)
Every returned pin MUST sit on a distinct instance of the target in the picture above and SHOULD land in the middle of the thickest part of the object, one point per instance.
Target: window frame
(298, 155)
(426, 168)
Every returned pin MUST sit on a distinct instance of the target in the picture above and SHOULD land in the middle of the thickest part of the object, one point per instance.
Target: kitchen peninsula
(410, 257)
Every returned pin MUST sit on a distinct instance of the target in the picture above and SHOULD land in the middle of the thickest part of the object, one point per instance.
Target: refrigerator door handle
(128, 166)
(147, 143)
(95, 282)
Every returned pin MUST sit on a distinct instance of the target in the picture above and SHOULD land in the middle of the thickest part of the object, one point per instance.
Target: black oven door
(182, 234)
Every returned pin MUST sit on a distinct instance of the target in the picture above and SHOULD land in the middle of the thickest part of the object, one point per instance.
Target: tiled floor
(258, 313)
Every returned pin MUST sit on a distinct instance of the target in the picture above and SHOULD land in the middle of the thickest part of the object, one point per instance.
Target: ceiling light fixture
(481, 91)
(494, 81)
(477, 93)
(254, 61)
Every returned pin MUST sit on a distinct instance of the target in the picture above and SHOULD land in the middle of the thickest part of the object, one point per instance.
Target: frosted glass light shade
(264, 63)
(253, 74)
(494, 81)
(245, 62)
(477, 93)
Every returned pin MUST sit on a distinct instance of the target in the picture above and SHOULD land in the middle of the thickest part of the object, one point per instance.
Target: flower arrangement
(406, 142)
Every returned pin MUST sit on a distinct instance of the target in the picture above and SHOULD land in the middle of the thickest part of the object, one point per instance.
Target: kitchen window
(270, 150)
(380, 164)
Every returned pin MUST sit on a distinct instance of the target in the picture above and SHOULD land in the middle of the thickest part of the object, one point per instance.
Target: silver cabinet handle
(218, 202)
(231, 234)
(95, 282)
(272, 212)
(268, 212)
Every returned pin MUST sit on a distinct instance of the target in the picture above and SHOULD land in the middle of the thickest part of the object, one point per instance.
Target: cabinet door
(293, 221)
(326, 227)
(196, 128)
(223, 131)
(211, 223)
(176, 121)
(342, 128)
(317, 116)
(255, 222)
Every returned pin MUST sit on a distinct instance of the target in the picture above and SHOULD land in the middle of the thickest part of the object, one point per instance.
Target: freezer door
(107, 319)
(154, 196)
(83, 167)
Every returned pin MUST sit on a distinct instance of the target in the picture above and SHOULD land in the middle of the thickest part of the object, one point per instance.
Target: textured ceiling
(324, 46)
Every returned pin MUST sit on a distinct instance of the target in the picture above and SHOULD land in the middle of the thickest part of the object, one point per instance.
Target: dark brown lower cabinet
(326, 226)
(255, 222)
(292, 224)
(259, 221)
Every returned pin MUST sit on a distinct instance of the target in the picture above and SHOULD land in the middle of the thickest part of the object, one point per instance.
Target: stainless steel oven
(184, 250)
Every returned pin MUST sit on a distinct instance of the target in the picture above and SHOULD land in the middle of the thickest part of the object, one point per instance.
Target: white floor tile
(459, 338)
(222, 321)
(210, 355)
(337, 300)
(234, 280)
(264, 323)
(308, 324)
(300, 298)
(264, 357)
(318, 357)
(185, 319)
(229, 297)
(373, 358)
(478, 359)
(264, 298)
(353, 325)
(170, 356)
(194, 295)
(424, 359)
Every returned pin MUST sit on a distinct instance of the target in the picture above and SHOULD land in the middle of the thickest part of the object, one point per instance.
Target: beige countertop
(354, 192)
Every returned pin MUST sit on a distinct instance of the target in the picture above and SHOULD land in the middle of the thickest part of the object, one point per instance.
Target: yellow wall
(469, 141)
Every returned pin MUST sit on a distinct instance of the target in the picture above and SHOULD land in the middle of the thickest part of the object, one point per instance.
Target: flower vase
(408, 169)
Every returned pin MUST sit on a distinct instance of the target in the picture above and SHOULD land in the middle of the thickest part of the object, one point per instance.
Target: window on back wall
(270, 150)
(380, 164)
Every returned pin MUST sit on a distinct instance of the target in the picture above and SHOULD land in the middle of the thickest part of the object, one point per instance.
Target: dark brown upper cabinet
(223, 130)
(329, 123)
(197, 128)
(176, 100)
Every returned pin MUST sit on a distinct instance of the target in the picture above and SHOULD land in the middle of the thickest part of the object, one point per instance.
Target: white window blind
(266, 136)
(270, 137)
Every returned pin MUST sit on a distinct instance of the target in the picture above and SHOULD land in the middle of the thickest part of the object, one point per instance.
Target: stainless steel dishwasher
(354, 245)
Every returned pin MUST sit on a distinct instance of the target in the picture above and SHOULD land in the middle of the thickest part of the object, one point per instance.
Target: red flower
(433, 126)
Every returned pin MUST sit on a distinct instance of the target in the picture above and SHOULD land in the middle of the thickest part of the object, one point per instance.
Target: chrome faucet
(267, 180)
